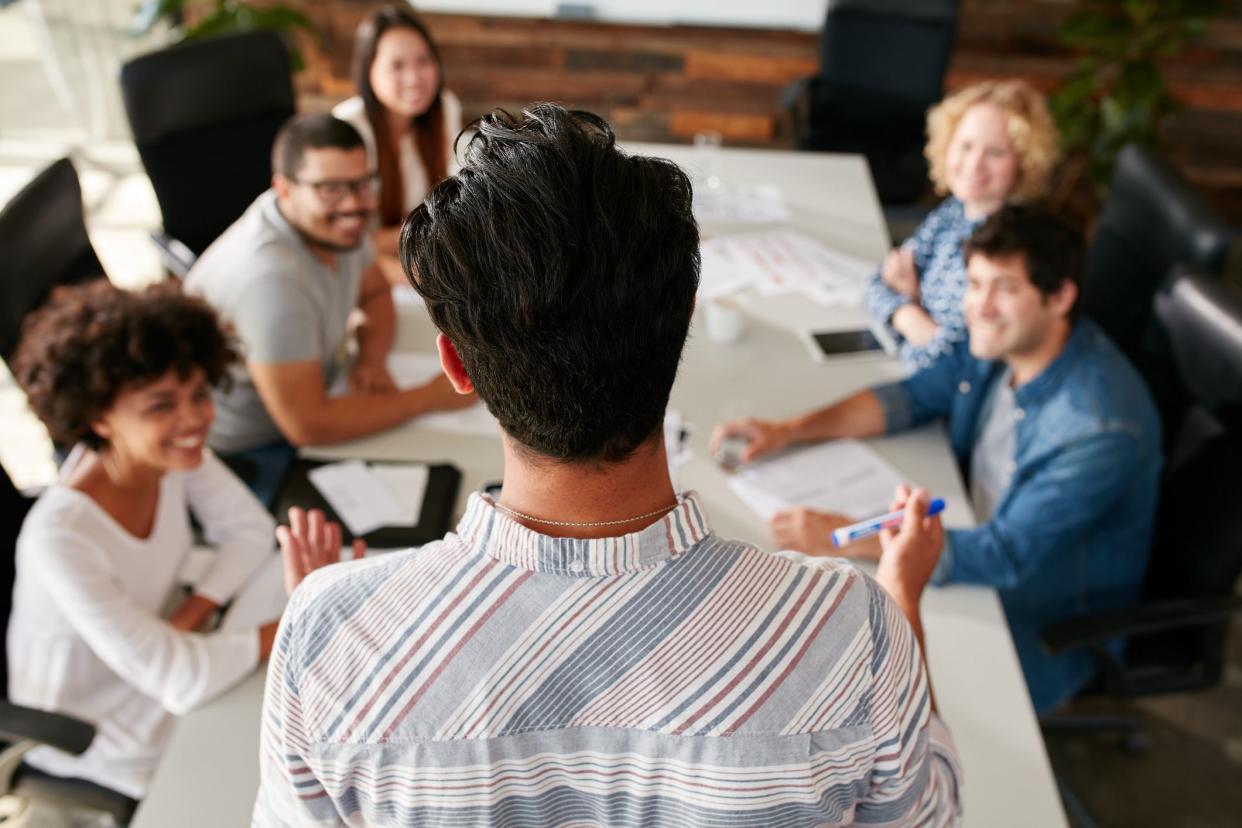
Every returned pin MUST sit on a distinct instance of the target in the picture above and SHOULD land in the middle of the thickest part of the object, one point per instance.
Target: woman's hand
(900, 274)
(309, 542)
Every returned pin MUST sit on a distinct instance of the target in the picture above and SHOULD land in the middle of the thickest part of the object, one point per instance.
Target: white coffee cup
(725, 321)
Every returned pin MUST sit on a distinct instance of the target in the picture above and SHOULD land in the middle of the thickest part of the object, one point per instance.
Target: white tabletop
(210, 774)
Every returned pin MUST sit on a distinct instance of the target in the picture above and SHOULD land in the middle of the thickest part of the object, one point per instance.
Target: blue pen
(863, 529)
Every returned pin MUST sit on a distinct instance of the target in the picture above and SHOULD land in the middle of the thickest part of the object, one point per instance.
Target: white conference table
(210, 773)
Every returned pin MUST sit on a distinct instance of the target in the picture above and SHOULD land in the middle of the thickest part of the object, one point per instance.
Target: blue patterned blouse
(937, 246)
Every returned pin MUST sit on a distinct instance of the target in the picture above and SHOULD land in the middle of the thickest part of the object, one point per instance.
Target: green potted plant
(1116, 93)
(191, 19)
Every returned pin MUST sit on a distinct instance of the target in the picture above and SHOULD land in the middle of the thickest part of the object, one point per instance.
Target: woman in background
(125, 378)
(406, 117)
(988, 144)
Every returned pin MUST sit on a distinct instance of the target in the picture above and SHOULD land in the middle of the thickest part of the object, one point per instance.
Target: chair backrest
(204, 115)
(1197, 550)
(13, 508)
(44, 244)
(882, 64)
(893, 48)
(1153, 220)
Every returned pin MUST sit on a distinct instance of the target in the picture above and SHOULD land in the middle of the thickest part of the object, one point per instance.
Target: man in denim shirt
(1055, 433)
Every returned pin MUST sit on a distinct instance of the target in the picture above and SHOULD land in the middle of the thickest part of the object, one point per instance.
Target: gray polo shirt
(285, 304)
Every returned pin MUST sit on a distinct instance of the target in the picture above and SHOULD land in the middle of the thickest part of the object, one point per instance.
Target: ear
(281, 185)
(102, 429)
(1063, 299)
(450, 362)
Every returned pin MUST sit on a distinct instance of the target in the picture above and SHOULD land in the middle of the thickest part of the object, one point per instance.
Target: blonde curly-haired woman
(988, 144)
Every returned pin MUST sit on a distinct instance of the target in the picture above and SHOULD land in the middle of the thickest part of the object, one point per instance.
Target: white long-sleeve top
(86, 637)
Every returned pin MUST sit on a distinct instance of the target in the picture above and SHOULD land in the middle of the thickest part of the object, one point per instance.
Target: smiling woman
(406, 117)
(988, 145)
(125, 379)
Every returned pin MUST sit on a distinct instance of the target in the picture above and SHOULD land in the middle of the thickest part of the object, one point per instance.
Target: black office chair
(882, 65)
(44, 243)
(1153, 220)
(204, 115)
(1176, 633)
(23, 728)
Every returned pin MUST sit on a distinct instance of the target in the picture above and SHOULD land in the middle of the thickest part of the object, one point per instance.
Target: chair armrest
(1096, 628)
(18, 723)
(176, 256)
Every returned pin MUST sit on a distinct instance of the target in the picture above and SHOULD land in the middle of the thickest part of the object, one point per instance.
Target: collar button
(576, 566)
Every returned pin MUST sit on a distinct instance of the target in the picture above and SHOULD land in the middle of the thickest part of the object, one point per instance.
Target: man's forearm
(377, 334)
(356, 415)
(858, 416)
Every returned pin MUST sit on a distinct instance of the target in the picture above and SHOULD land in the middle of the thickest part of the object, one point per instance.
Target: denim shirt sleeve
(1049, 509)
(925, 395)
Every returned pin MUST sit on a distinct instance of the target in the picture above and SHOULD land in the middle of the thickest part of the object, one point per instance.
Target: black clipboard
(443, 482)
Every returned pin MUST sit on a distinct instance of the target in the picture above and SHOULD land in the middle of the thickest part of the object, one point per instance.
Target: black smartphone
(860, 342)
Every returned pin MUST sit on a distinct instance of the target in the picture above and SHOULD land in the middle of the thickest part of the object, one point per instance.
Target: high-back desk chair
(44, 243)
(22, 728)
(204, 115)
(882, 65)
(1152, 221)
(1176, 633)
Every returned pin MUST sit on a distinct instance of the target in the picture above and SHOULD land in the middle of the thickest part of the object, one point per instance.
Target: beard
(331, 246)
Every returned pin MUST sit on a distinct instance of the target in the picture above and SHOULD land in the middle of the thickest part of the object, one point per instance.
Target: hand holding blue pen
(866, 528)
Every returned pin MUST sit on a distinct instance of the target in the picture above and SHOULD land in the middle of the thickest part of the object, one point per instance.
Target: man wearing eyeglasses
(289, 275)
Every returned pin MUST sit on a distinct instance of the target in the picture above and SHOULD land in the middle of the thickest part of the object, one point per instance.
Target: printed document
(367, 497)
(782, 261)
(842, 476)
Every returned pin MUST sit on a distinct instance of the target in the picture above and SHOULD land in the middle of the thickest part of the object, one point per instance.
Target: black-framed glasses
(333, 190)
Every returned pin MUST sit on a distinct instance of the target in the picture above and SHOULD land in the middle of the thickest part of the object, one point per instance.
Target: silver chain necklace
(533, 519)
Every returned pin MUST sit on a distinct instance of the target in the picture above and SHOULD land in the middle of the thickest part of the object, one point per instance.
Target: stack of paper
(367, 497)
(841, 476)
(782, 261)
(737, 204)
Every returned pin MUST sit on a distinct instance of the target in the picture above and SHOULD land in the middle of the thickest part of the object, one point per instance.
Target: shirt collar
(487, 530)
(1081, 338)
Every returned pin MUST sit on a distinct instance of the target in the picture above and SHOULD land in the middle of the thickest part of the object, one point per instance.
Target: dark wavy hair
(564, 272)
(1054, 252)
(429, 126)
(92, 341)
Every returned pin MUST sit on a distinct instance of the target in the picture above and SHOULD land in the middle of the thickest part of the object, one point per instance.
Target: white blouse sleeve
(180, 670)
(234, 522)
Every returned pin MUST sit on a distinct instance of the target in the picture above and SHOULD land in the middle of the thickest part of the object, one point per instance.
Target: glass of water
(707, 152)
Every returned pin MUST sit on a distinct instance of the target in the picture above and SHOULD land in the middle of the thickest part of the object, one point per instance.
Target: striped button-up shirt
(665, 677)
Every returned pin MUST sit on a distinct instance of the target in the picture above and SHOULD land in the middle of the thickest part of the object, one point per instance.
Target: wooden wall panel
(667, 83)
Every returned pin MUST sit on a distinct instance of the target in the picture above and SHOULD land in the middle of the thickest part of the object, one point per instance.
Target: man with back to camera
(1055, 433)
(584, 649)
(288, 274)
